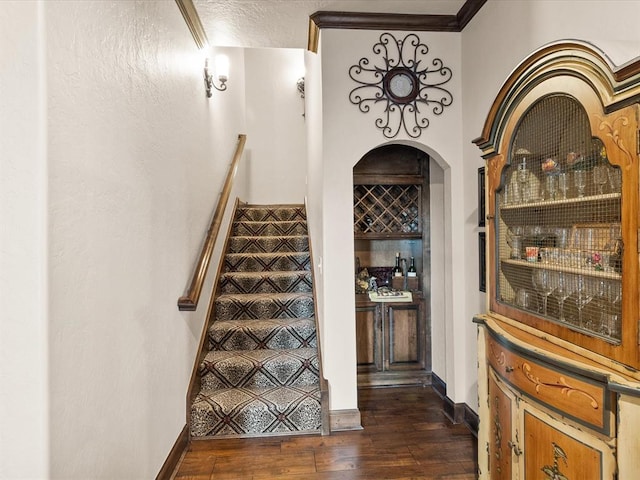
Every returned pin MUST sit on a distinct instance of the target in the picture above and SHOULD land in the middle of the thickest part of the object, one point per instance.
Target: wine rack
(386, 211)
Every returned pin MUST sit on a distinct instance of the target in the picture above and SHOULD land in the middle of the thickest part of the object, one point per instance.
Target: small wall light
(300, 85)
(222, 70)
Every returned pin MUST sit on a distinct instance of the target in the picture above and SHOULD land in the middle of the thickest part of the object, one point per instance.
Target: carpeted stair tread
(250, 411)
(271, 333)
(266, 262)
(265, 213)
(266, 282)
(267, 244)
(259, 368)
(263, 306)
(270, 229)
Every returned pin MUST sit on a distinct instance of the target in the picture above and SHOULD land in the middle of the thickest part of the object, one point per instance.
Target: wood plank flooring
(406, 436)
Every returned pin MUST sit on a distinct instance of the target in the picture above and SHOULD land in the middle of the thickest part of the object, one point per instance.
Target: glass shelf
(561, 268)
(563, 201)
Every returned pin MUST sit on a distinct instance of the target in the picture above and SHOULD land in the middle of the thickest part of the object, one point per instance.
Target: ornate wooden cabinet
(559, 355)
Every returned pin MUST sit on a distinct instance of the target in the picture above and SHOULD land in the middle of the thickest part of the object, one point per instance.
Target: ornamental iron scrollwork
(401, 78)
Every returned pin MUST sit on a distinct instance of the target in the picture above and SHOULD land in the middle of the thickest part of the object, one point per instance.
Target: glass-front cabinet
(558, 223)
(563, 220)
(559, 344)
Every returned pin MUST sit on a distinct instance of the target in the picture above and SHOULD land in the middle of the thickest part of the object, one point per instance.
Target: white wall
(438, 228)
(115, 158)
(313, 116)
(493, 44)
(276, 136)
(24, 416)
(347, 135)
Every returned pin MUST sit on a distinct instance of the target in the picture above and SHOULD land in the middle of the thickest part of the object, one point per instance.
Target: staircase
(259, 371)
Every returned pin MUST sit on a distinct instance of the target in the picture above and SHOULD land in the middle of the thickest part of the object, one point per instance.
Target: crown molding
(192, 19)
(391, 21)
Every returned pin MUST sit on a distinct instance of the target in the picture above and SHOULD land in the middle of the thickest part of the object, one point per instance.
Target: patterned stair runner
(260, 373)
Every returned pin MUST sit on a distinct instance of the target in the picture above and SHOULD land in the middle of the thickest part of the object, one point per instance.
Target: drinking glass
(601, 295)
(551, 184)
(615, 179)
(600, 177)
(523, 180)
(610, 321)
(514, 240)
(522, 298)
(580, 181)
(585, 293)
(565, 286)
(541, 280)
(563, 184)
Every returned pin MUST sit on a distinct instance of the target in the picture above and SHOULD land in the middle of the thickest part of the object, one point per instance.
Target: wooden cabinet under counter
(391, 342)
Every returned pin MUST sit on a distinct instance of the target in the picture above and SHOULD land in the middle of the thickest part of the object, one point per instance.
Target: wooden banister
(190, 300)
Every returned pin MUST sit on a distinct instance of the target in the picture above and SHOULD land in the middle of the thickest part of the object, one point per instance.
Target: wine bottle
(412, 269)
(397, 270)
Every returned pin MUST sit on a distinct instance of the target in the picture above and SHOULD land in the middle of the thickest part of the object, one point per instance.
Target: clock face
(401, 85)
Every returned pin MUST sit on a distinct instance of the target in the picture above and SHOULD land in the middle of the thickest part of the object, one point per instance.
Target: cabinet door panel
(553, 450)
(500, 409)
(368, 338)
(406, 336)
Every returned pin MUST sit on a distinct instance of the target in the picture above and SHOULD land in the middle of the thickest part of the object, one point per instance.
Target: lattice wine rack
(387, 210)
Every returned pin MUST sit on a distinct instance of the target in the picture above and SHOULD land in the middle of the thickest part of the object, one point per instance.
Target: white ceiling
(285, 23)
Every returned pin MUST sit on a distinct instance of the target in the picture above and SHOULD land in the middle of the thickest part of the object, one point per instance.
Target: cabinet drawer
(570, 394)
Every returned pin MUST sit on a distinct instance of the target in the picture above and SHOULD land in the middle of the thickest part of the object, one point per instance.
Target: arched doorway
(392, 220)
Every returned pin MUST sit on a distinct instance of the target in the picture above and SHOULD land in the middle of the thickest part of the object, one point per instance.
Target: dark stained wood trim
(192, 19)
(468, 11)
(438, 385)
(385, 21)
(175, 455)
(390, 21)
(471, 420)
(456, 412)
(378, 179)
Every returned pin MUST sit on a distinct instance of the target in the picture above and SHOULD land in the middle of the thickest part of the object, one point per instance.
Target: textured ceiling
(284, 23)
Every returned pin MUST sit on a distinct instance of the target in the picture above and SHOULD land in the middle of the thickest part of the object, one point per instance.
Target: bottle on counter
(411, 272)
(397, 270)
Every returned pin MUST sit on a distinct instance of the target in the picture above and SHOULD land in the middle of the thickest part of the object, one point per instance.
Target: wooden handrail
(190, 300)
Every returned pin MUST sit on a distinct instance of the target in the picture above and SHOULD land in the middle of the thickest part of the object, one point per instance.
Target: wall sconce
(300, 85)
(222, 70)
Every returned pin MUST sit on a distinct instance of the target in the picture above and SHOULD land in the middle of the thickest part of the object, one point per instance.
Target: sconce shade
(222, 67)
(222, 71)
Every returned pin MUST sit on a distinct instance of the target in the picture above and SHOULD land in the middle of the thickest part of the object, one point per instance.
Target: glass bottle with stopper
(411, 272)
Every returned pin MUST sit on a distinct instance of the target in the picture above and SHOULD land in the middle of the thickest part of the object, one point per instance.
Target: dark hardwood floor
(406, 436)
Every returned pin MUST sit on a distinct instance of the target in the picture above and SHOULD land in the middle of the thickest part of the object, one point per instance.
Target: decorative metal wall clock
(401, 78)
